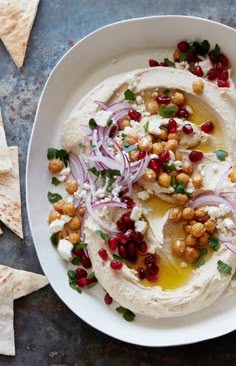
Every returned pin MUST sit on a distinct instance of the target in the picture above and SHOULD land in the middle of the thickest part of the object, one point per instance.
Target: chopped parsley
(165, 91)
(55, 181)
(129, 95)
(180, 188)
(58, 154)
(200, 260)
(202, 48)
(170, 167)
(53, 239)
(127, 147)
(80, 245)
(163, 127)
(146, 127)
(94, 171)
(75, 261)
(214, 243)
(172, 181)
(103, 235)
(128, 315)
(216, 50)
(169, 62)
(72, 280)
(92, 123)
(223, 267)
(167, 111)
(54, 197)
(221, 154)
(117, 258)
(109, 122)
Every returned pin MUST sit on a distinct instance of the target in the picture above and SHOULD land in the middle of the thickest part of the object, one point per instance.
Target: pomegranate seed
(80, 273)
(122, 251)
(103, 254)
(92, 280)
(132, 257)
(172, 125)
(152, 269)
(197, 70)
(163, 99)
(126, 218)
(183, 46)
(192, 57)
(112, 243)
(141, 155)
(162, 63)
(213, 58)
(153, 164)
(150, 258)
(219, 67)
(78, 252)
(121, 225)
(121, 238)
(164, 156)
(153, 63)
(143, 247)
(141, 273)
(182, 113)
(207, 127)
(224, 75)
(85, 261)
(224, 60)
(116, 265)
(195, 156)
(187, 129)
(212, 74)
(107, 299)
(135, 115)
(129, 234)
(151, 278)
(131, 249)
(223, 83)
(138, 237)
(129, 202)
(82, 281)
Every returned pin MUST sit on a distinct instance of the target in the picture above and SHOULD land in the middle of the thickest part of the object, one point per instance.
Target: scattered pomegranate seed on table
(153, 63)
(107, 299)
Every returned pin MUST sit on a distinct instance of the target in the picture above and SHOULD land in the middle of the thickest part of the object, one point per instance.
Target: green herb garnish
(129, 95)
(72, 281)
(163, 127)
(54, 197)
(92, 123)
(202, 48)
(91, 275)
(94, 171)
(127, 147)
(55, 181)
(200, 261)
(123, 135)
(169, 62)
(224, 268)
(216, 51)
(103, 235)
(170, 167)
(167, 111)
(58, 154)
(146, 127)
(165, 91)
(109, 122)
(172, 181)
(80, 245)
(53, 239)
(75, 261)
(214, 243)
(128, 315)
(180, 187)
(221, 154)
(117, 258)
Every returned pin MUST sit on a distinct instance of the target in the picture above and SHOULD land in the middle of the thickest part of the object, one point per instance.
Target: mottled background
(47, 332)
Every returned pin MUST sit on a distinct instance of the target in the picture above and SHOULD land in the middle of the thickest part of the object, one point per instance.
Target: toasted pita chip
(10, 201)
(5, 159)
(17, 18)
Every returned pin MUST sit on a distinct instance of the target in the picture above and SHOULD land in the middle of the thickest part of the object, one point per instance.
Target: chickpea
(192, 222)
(183, 178)
(74, 223)
(55, 165)
(58, 206)
(232, 175)
(198, 229)
(197, 86)
(173, 173)
(152, 107)
(53, 215)
(175, 214)
(173, 136)
(164, 180)
(197, 181)
(122, 123)
(133, 155)
(82, 211)
(145, 144)
(157, 148)
(188, 213)
(200, 212)
(163, 134)
(177, 98)
(132, 138)
(203, 218)
(187, 228)
(62, 234)
(190, 240)
(178, 155)
(187, 167)
(69, 209)
(203, 240)
(71, 186)
(176, 54)
(180, 199)
(210, 225)
(191, 254)
(178, 247)
(149, 175)
(74, 238)
(171, 145)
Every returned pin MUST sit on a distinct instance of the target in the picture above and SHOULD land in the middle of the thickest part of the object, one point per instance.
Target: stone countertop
(46, 331)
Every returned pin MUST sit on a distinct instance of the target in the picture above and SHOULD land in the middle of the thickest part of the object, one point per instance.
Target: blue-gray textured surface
(46, 332)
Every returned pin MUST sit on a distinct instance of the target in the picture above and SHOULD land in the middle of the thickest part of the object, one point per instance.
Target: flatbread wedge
(17, 18)
(10, 201)
(5, 159)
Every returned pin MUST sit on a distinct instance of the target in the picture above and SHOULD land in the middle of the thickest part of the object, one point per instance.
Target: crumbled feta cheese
(136, 213)
(215, 212)
(229, 224)
(140, 226)
(64, 171)
(202, 173)
(172, 157)
(178, 164)
(154, 94)
(102, 117)
(69, 199)
(143, 195)
(64, 248)
(154, 126)
(139, 99)
(183, 264)
(86, 186)
(215, 168)
(189, 109)
(58, 224)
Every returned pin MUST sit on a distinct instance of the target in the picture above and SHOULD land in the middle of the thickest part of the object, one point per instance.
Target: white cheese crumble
(143, 195)
(64, 171)
(64, 248)
(216, 212)
(140, 226)
(136, 213)
(58, 224)
(102, 117)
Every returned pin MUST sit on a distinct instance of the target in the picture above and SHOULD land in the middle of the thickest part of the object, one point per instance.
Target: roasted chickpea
(178, 247)
(132, 138)
(198, 229)
(62, 234)
(145, 144)
(177, 98)
(192, 222)
(71, 186)
(203, 240)
(183, 178)
(200, 212)
(133, 155)
(190, 240)
(176, 54)
(82, 211)
(58, 206)
(69, 209)
(122, 123)
(149, 175)
(173, 136)
(210, 225)
(187, 228)
(157, 148)
(53, 215)
(188, 213)
(74, 238)
(55, 165)
(232, 175)
(180, 199)
(197, 181)
(175, 214)
(152, 107)
(171, 145)
(164, 180)
(163, 134)
(74, 223)
(178, 155)
(187, 167)
(197, 86)
(191, 254)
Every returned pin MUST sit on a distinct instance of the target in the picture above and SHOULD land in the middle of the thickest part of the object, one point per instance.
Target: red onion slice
(220, 181)
(98, 220)
(211, 199)
(230, 247)
(77, 169)
(101, 104)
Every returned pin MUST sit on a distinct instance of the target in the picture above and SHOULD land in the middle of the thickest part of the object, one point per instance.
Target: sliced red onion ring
(222, 237)
(101, 104)
(111, 203)
(118, 106)
(77, 169)
(98, 220)
(141, 170)
(220, 181)
(211, 199)
(230, 247)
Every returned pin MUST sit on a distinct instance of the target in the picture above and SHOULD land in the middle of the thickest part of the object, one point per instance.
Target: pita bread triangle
(17, 18)
(10, 200)
(5, 159)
